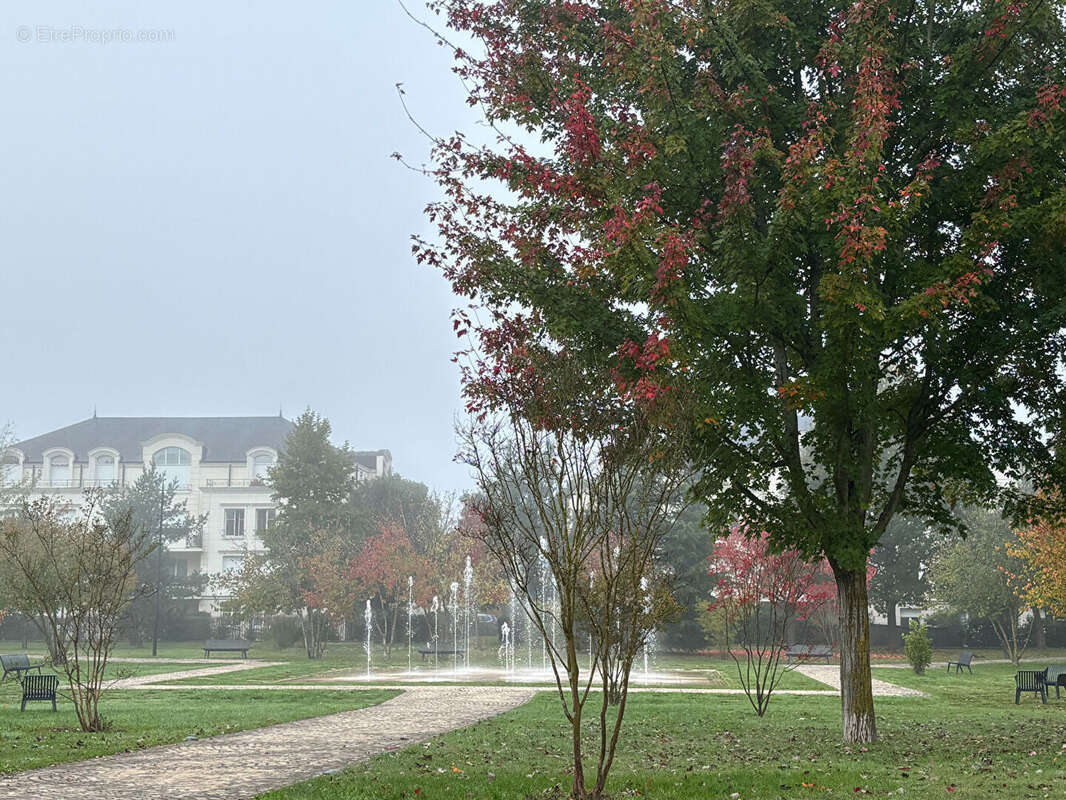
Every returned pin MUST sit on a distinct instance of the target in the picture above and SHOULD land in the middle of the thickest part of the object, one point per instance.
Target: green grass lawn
(139, 719)
(968, 739)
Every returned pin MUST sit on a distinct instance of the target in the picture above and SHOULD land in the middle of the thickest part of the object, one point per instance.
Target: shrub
(917, 646)
(286, 632)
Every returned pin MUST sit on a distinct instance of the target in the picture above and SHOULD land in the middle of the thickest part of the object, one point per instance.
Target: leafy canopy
(838, 226)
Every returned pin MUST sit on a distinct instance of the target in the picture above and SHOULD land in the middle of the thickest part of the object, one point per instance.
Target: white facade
(232, 493)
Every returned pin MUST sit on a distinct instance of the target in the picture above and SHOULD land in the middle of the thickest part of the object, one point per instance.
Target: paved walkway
(242, 765)
(830, 675)
(140, 681)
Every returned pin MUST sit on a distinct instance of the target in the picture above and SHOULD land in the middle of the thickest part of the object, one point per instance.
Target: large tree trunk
(856, 693)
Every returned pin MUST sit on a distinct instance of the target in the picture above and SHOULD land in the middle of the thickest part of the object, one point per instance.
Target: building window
(174, 463)
(104, 469)
(260, 466)
(59, 470)
(232, 563)
(177, 568)
(10, 470)
(264, 518)
(234, 522)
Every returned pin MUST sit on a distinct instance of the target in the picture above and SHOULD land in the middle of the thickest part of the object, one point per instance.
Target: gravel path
(830, 675)
(242, 765)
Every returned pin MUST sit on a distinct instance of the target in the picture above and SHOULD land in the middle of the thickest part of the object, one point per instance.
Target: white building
(220, 465)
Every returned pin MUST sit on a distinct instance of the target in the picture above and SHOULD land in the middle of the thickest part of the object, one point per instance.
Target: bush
(917, 646)
(286, 632)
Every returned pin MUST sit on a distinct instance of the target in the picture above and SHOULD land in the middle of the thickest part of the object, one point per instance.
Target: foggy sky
(211, 224)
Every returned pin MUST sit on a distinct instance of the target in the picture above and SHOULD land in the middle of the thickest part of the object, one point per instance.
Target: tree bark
(856, 692)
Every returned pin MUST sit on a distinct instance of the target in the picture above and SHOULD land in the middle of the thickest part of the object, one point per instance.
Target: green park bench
(18, 663)
(226, 646)
(39, 687)
(1030, 680)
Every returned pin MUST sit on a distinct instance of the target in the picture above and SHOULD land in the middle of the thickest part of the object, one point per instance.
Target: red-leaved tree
(838, 226)
(381, 571)
(759, 595)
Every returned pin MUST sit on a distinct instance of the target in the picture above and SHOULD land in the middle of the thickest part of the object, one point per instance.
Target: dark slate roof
(224, 438)
(369, 458)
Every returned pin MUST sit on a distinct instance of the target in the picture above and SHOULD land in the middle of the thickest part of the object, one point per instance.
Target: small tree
(759, 595)
(556, 504)
(901, 559)
(152, 505)
(1041, 545)
(78, 575)
(381, 571)
(918, 647)
(978, 577)
(312, 483)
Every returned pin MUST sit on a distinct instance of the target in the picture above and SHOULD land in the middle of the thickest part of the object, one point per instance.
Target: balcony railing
(194, 540)
(234, 483)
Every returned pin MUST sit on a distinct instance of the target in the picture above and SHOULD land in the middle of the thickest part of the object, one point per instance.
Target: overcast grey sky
(211, 224)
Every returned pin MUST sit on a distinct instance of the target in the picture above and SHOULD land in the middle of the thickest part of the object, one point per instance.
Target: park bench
(226, 646)
(963, 660)
(802, 652)
(1056, 676)
(39, 687)
(438, 653)
(1030, 680)
(17, 663)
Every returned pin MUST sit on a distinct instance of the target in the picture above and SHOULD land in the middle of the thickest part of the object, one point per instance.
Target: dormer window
(104, 469)
(59, 470)
(261, 464)
(174, 463)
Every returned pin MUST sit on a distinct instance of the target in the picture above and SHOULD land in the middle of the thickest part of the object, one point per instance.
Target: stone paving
(242, 765)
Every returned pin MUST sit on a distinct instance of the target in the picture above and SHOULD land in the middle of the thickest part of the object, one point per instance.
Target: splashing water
(469, 607)
(368, 616)
(507, 647)
(435, 608)
(649, 642)
(410, 613)
(454, 603)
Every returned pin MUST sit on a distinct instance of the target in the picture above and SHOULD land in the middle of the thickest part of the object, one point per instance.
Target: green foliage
(972, 576)
(285, 632)
(838, 227)
(154, 509)
(312, 483)
(900, 560)
(685, 550)
(918, 647)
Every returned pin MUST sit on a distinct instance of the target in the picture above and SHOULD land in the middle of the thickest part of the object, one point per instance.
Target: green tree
(686, 548)
(152, 506)
(975, 577)
(838, 227)
(918, 647)
(76, 573)
(901, 560)
(312, 485)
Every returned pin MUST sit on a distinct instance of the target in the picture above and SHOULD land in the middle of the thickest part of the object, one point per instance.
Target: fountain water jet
(469, 608)
(410, 613)
(368, 617)
(435, 608)
(454, 598)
